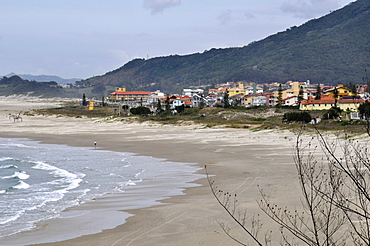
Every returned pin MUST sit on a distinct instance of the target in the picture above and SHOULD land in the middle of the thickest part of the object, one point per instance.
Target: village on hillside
(304, 95)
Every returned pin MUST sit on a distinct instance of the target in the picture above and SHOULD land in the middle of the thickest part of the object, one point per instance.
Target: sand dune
(239, 158)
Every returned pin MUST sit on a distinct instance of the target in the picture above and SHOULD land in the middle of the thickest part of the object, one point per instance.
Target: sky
(85, 38)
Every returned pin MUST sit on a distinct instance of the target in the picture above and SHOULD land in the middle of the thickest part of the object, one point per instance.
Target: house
(238, 90)
(350, 104)
(248, 100)
(340, 90)
(326, 102)
(129, 96)
(177, 100)
(191, 92)
(290, 101)
(254, 89)
(259, 100)
(294, 91)
(201, 101)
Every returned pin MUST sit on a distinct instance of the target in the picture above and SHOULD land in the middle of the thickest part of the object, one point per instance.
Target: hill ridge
(332, 49)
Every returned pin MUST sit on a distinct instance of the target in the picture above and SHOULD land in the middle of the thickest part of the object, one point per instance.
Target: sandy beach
(239, 161)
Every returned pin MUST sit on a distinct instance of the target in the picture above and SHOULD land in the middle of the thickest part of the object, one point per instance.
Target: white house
(191, 92)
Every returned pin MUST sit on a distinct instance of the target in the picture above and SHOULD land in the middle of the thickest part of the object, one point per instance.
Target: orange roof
(330, 100)
(352, 100)
(131, 93)
(324, 99)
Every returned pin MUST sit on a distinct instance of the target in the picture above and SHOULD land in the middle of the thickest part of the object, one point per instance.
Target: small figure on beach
(16, 117)
(95, 144)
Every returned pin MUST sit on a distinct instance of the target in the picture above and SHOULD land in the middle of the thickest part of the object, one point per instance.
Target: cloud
(309, 8)
(158, 6)
(249, 16)
(224, 17)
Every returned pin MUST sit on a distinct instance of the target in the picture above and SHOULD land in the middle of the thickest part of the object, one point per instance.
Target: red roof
(289, 98)
(324, 99)
(351, 100)
(131, 93)
(330, 100)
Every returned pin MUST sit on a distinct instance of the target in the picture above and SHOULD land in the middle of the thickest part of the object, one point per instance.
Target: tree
(226, 99)
(102, 101)
(366, 81)
(84, 102)
(168, 103)
(335, 196)
(336, 96)
(318, 92)
(159, 106)
(352, 88)
(332, 113)
(280, 96)
(364, 110)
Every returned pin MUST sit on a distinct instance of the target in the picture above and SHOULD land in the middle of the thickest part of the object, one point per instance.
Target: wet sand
(237, 159)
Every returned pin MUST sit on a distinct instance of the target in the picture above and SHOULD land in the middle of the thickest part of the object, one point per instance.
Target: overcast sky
(85, 38)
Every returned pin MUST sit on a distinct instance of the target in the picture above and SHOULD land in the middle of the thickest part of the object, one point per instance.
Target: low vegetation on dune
(254, 118)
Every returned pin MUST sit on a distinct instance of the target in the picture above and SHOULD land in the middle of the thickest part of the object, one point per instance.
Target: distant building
(132, 96)
(326, 102)
(236, 91)
(341, 92)
(191, 92)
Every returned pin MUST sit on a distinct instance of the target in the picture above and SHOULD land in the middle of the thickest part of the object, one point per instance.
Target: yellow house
(248, 100)
(293, 91)
(236, 91)
(326, 102)
(342, 91)
(122, 94)
(350, 104)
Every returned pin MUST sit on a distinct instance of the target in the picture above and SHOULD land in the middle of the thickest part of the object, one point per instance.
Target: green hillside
(333, 49)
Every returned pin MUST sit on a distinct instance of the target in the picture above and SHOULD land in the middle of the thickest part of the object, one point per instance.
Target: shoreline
(109, 210)
(239, 158)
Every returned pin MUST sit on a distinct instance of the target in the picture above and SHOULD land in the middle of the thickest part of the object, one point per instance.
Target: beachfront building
(176, 101)
(121, 94)
(326, 102)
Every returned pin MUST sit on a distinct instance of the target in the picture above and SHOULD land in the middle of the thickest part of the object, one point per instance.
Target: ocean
(39, 182)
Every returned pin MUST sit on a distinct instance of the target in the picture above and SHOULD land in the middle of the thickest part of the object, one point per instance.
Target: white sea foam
(22, 185)
(54, 170)
(5, 220)
(61, 177)
(19, 175)
(8, 166)
(129, 183)
(17, 145)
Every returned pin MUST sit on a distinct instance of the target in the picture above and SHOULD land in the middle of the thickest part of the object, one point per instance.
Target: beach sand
(239, 161)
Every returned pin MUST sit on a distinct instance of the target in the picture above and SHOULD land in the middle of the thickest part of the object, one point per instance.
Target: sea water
(39, 181)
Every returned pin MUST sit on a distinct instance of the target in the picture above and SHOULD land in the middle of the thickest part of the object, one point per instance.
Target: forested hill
(334, 49)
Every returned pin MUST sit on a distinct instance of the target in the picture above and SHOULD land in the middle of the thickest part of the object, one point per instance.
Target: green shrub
(140, 111)
(364, 110)
(303, 117)
(332, 113)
